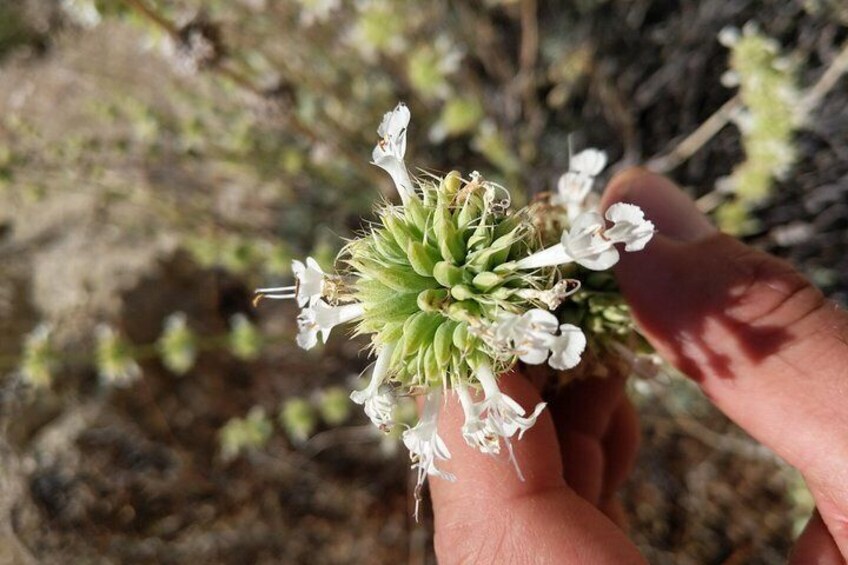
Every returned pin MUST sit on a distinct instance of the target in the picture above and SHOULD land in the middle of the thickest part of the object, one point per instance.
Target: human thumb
(764, 345)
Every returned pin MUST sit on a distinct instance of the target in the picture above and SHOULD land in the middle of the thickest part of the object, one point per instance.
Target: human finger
(490, 515)
(596, 458)
(760, 340)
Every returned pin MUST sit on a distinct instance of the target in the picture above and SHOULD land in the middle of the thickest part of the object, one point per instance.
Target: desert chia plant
(768, 121)
(38, 361)
(454, 288)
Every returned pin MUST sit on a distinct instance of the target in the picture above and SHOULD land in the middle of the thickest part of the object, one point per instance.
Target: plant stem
(695, 140)
(831, 76)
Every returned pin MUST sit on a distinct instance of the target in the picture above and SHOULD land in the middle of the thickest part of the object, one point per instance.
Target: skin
(764, 346)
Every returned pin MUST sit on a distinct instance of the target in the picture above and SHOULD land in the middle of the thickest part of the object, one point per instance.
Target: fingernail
(674, 214)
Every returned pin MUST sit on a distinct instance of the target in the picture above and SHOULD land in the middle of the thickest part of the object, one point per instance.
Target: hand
(761, 342)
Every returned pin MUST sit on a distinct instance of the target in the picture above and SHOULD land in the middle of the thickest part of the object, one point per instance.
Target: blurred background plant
(159, 159)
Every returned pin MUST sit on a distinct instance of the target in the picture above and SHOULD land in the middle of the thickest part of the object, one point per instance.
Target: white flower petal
(321, 317)
(629, 226)
(550, 257)
(589, 162)
(310, 279)
(585, 242)
(531, 419)
(378, 398)
(307, 335)
(534, 355)
(503, 414)
(526, 335)
(574, 186)
(475, 430)
(395, 123)
(327, 317)
(309, 288)
(541, 320)
(507, 325)
(572, 189)
(567, 348)
(587, 222)
(424, 443)
(601, 259)
(391, 149)
(397, 170)
(497, 416)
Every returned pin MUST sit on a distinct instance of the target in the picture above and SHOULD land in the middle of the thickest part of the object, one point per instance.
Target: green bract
(432, 274)
(454, 288)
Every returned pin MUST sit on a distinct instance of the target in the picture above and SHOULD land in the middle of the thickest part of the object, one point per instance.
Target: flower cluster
(455, 288)
(115, 362)
(177, 345)
(39, 358)
(772, 111)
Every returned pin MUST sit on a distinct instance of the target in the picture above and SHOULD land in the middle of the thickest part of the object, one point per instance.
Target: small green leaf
(432, 299)
(442, 342)
(398, 354)
(417, 213)
(461, 292)
(396, 278)
(386, 246)
(465, 311)
(450, 241)
(391, 333)
(487, 280)
(508, 224)
(397, 227)
(470, 211)
(502, 293)
(451, 184)
(460, 337)
(482, 235)
(419, 330)
(392, 309)
(447, 275)
(493, 255)
(421, 257)
(432, 371)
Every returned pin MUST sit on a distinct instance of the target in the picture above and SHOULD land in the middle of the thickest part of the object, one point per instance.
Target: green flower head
(454, 287)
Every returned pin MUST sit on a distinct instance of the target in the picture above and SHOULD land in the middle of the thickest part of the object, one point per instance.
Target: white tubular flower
(310, 280)
(528, 335)
(533, 337)
(630, 226)
(586, 243)
(497, 416)
(549, 257)
(476, 431)
(321, 317)
(309, 287)
(590, 244)
(589, 162)
(574, 186)
(567, 348)
(425, 446)
(390, 150)
(377, 399)
(504, 415)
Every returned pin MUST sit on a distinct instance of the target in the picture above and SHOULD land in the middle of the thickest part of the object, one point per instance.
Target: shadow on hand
(715, 302)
